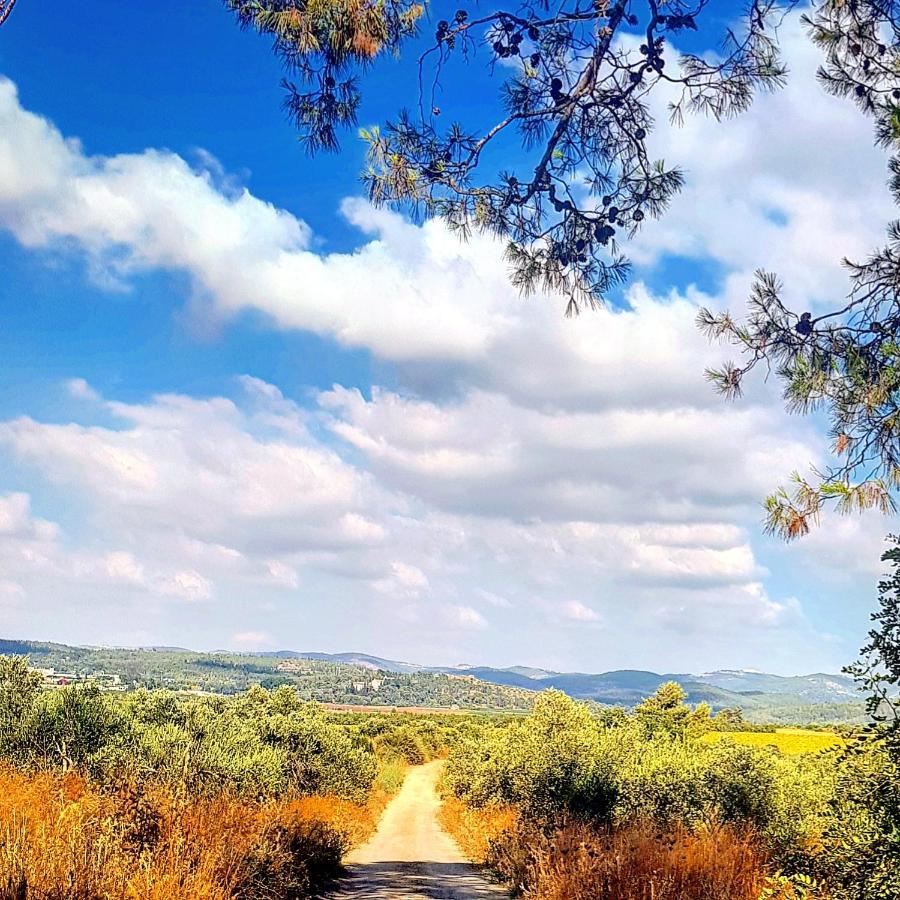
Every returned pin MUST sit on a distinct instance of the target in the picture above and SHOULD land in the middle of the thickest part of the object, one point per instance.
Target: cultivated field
(792, 741)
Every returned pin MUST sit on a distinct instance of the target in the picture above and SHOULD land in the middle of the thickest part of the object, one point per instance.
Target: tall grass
(61, 839)
(391, 774)
(476, 830)
(638, 863)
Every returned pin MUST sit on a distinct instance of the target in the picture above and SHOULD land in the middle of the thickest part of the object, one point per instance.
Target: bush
(560, 763)
(547, 763)
(259, 744)
(859, 855)
(402, 744)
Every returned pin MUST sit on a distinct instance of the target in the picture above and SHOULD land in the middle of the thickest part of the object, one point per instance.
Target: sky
(242, 409)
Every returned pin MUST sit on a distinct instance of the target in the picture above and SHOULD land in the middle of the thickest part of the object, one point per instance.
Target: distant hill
(348, 678)
(354, 679)
(762, 696)
(363, 660)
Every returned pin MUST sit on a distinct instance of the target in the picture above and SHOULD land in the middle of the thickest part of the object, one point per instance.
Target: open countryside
(220, 795)
(450, 451)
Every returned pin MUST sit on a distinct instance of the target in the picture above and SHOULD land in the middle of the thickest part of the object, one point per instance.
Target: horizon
(240, 402)
(163, 648)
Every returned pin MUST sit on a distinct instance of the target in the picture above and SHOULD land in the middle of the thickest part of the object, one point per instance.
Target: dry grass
(637, 863)
(61, 839)
(475, 830)
(579, 862)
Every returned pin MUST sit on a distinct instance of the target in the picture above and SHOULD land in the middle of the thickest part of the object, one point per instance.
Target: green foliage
(19, 688)
(402, 744)
(861, 841)
(561, 761)
(879, 675)
(390, 776)
(258, 744)
(67, 728)
(547, 763)
(666, 713)
(312, 679)
(829, 818)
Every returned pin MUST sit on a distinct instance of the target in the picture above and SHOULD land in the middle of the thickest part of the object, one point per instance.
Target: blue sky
(240, 408)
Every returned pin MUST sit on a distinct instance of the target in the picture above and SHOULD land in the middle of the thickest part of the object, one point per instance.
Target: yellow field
(792, 741)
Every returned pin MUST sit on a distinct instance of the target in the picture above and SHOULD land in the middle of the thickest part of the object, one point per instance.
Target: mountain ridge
(785, 699)
(629, 686)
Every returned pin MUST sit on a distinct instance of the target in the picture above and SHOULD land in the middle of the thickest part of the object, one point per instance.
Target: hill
(763, 697)
(325, 680)
(361, 678)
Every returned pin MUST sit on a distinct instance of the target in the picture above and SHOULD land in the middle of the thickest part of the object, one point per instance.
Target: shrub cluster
(159, 795)
(809, 815)
(259, 744)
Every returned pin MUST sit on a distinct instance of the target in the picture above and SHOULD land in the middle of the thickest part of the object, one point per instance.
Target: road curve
(410, 856)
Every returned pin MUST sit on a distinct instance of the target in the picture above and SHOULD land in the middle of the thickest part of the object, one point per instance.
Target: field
(791, 741)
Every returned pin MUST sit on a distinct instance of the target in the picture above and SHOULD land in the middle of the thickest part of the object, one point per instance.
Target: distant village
(106, 681)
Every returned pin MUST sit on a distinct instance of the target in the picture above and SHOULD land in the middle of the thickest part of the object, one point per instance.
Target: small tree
(19, 688)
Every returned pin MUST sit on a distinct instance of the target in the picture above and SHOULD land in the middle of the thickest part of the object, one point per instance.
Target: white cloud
(16, 520)
(403, 581)
(251, 640)
(81, 390)
(492, 599)
(521, 459)
(188, 585)
(122, 566)
(484, 453)
(576, 610)
(464, 617)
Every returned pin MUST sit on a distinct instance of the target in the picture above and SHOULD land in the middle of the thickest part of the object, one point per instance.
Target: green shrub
(860, 856)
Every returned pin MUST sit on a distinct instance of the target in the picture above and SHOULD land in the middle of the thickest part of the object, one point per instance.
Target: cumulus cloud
(17, 522)
(548, 469)
(196, 501)
(486, 453)
(81, 390)
(577, 611)
(463, 616)
(251, 640)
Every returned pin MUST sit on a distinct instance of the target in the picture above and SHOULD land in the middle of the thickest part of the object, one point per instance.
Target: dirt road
(409, 856)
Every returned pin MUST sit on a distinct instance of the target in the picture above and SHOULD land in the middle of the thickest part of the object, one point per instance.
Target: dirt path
(409, 856)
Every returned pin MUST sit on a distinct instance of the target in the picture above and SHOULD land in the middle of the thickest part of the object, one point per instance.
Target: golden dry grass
(62, 839)
(636, 863)
(580, 862)
(475, 829)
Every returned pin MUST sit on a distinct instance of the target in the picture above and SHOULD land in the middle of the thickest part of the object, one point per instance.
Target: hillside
(360, 678)
(799, 699)
(323, 680)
